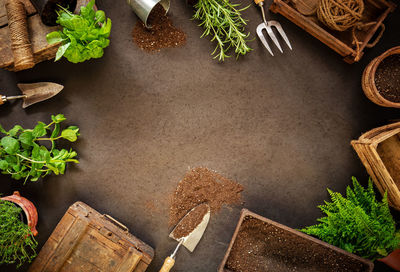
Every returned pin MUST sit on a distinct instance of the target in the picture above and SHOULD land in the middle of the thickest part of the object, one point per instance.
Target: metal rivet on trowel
(143, 8)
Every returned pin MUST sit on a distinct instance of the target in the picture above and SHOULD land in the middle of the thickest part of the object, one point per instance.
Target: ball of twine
(340, 15)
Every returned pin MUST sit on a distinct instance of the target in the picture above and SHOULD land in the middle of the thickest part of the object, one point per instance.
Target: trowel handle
(19, 35)
(2, 99)
(168, 264)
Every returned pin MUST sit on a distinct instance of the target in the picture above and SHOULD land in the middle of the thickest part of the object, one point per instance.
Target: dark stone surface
(281, 126)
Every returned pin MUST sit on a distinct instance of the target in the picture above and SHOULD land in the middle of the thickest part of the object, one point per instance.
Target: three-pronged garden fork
(267, 25)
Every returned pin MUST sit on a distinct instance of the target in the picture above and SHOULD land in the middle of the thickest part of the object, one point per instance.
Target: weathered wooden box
(379, 151)
(87, 241)
(341, 42)
(284, 249)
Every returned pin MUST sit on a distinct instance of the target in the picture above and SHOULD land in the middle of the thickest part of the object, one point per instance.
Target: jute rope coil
(340, 15)
(19, 36)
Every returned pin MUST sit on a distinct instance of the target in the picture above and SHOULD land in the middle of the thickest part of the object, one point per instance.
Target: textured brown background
(281, 126)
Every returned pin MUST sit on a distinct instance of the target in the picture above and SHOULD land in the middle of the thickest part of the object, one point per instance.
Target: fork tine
(273, 37)
(262, 38)
(281, 32)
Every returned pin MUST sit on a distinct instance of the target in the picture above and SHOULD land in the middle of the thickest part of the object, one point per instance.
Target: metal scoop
(34, 92)
(267, 25)
(191, 240)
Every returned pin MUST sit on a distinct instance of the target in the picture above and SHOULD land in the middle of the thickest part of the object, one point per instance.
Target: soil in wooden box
(260, 247)
(160, 34)
(389, 151)
(387, 78)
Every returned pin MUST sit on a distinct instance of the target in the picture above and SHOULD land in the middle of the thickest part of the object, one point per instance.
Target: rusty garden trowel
(34, 92)
(191, 239)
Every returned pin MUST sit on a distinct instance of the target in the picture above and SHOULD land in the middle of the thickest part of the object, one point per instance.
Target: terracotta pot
(28, 208)
(368, 80)
(392, 260)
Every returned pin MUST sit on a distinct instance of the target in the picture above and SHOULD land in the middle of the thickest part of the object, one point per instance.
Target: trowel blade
(190, 241)
(36, 92)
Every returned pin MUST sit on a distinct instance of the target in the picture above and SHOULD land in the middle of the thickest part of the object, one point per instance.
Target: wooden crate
(341, 42)
(276, 230)
(87, 241)
(42, 51)
(379, 151)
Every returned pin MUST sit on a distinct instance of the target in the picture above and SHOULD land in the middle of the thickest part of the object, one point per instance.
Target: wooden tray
(312, 243)
(379, 151)
(341, 42)
(87, 241)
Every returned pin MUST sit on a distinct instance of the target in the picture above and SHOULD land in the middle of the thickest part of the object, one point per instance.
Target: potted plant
(380, 79)
(260, 244)
(18, 219)
(359, 224)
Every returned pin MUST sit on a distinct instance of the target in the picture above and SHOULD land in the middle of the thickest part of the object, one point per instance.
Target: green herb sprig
(83, 36)
(223, 22)
(24, 157)
(358, 223)
(17, 244)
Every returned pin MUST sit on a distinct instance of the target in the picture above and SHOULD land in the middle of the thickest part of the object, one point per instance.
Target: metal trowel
(191, 240)
(34, 92)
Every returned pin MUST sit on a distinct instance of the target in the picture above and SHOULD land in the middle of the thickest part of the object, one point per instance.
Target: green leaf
(61, 50)
(69, 134)
(56, 131)
(54, 37)
(100, 16)
(10, 145)
(26, 138)
(2, 130)
(58, 118)
(39, 130)
(14, 131)
(3, 164)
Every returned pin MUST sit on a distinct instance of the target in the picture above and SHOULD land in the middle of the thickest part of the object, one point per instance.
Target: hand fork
(267, 25)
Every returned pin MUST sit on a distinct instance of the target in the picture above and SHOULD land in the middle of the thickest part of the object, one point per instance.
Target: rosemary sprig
(222, 20)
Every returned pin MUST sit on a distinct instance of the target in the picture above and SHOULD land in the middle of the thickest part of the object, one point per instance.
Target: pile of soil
(162, 33)
(190, 221)
(387, 78)
(260, 247)
(201, 185)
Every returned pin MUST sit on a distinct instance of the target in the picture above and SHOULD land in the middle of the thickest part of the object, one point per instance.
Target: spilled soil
(190, 221)
(201, 185)
(161, 34)
(387, 78)
(260, 247)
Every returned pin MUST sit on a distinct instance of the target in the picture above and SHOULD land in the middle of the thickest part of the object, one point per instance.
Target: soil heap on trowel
(160, 34)
(201, 185)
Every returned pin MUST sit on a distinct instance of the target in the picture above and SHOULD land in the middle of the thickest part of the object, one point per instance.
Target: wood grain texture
(84, 240)
(340, 42)
(370, 148)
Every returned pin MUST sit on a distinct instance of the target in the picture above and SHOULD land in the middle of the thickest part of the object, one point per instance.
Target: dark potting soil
(260, 247)
(190, 221)
(387, 78)
(201, 185)
(162, 33)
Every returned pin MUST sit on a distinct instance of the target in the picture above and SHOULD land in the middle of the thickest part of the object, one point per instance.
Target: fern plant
(358, 223)
(223, 21)
(17, 244)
